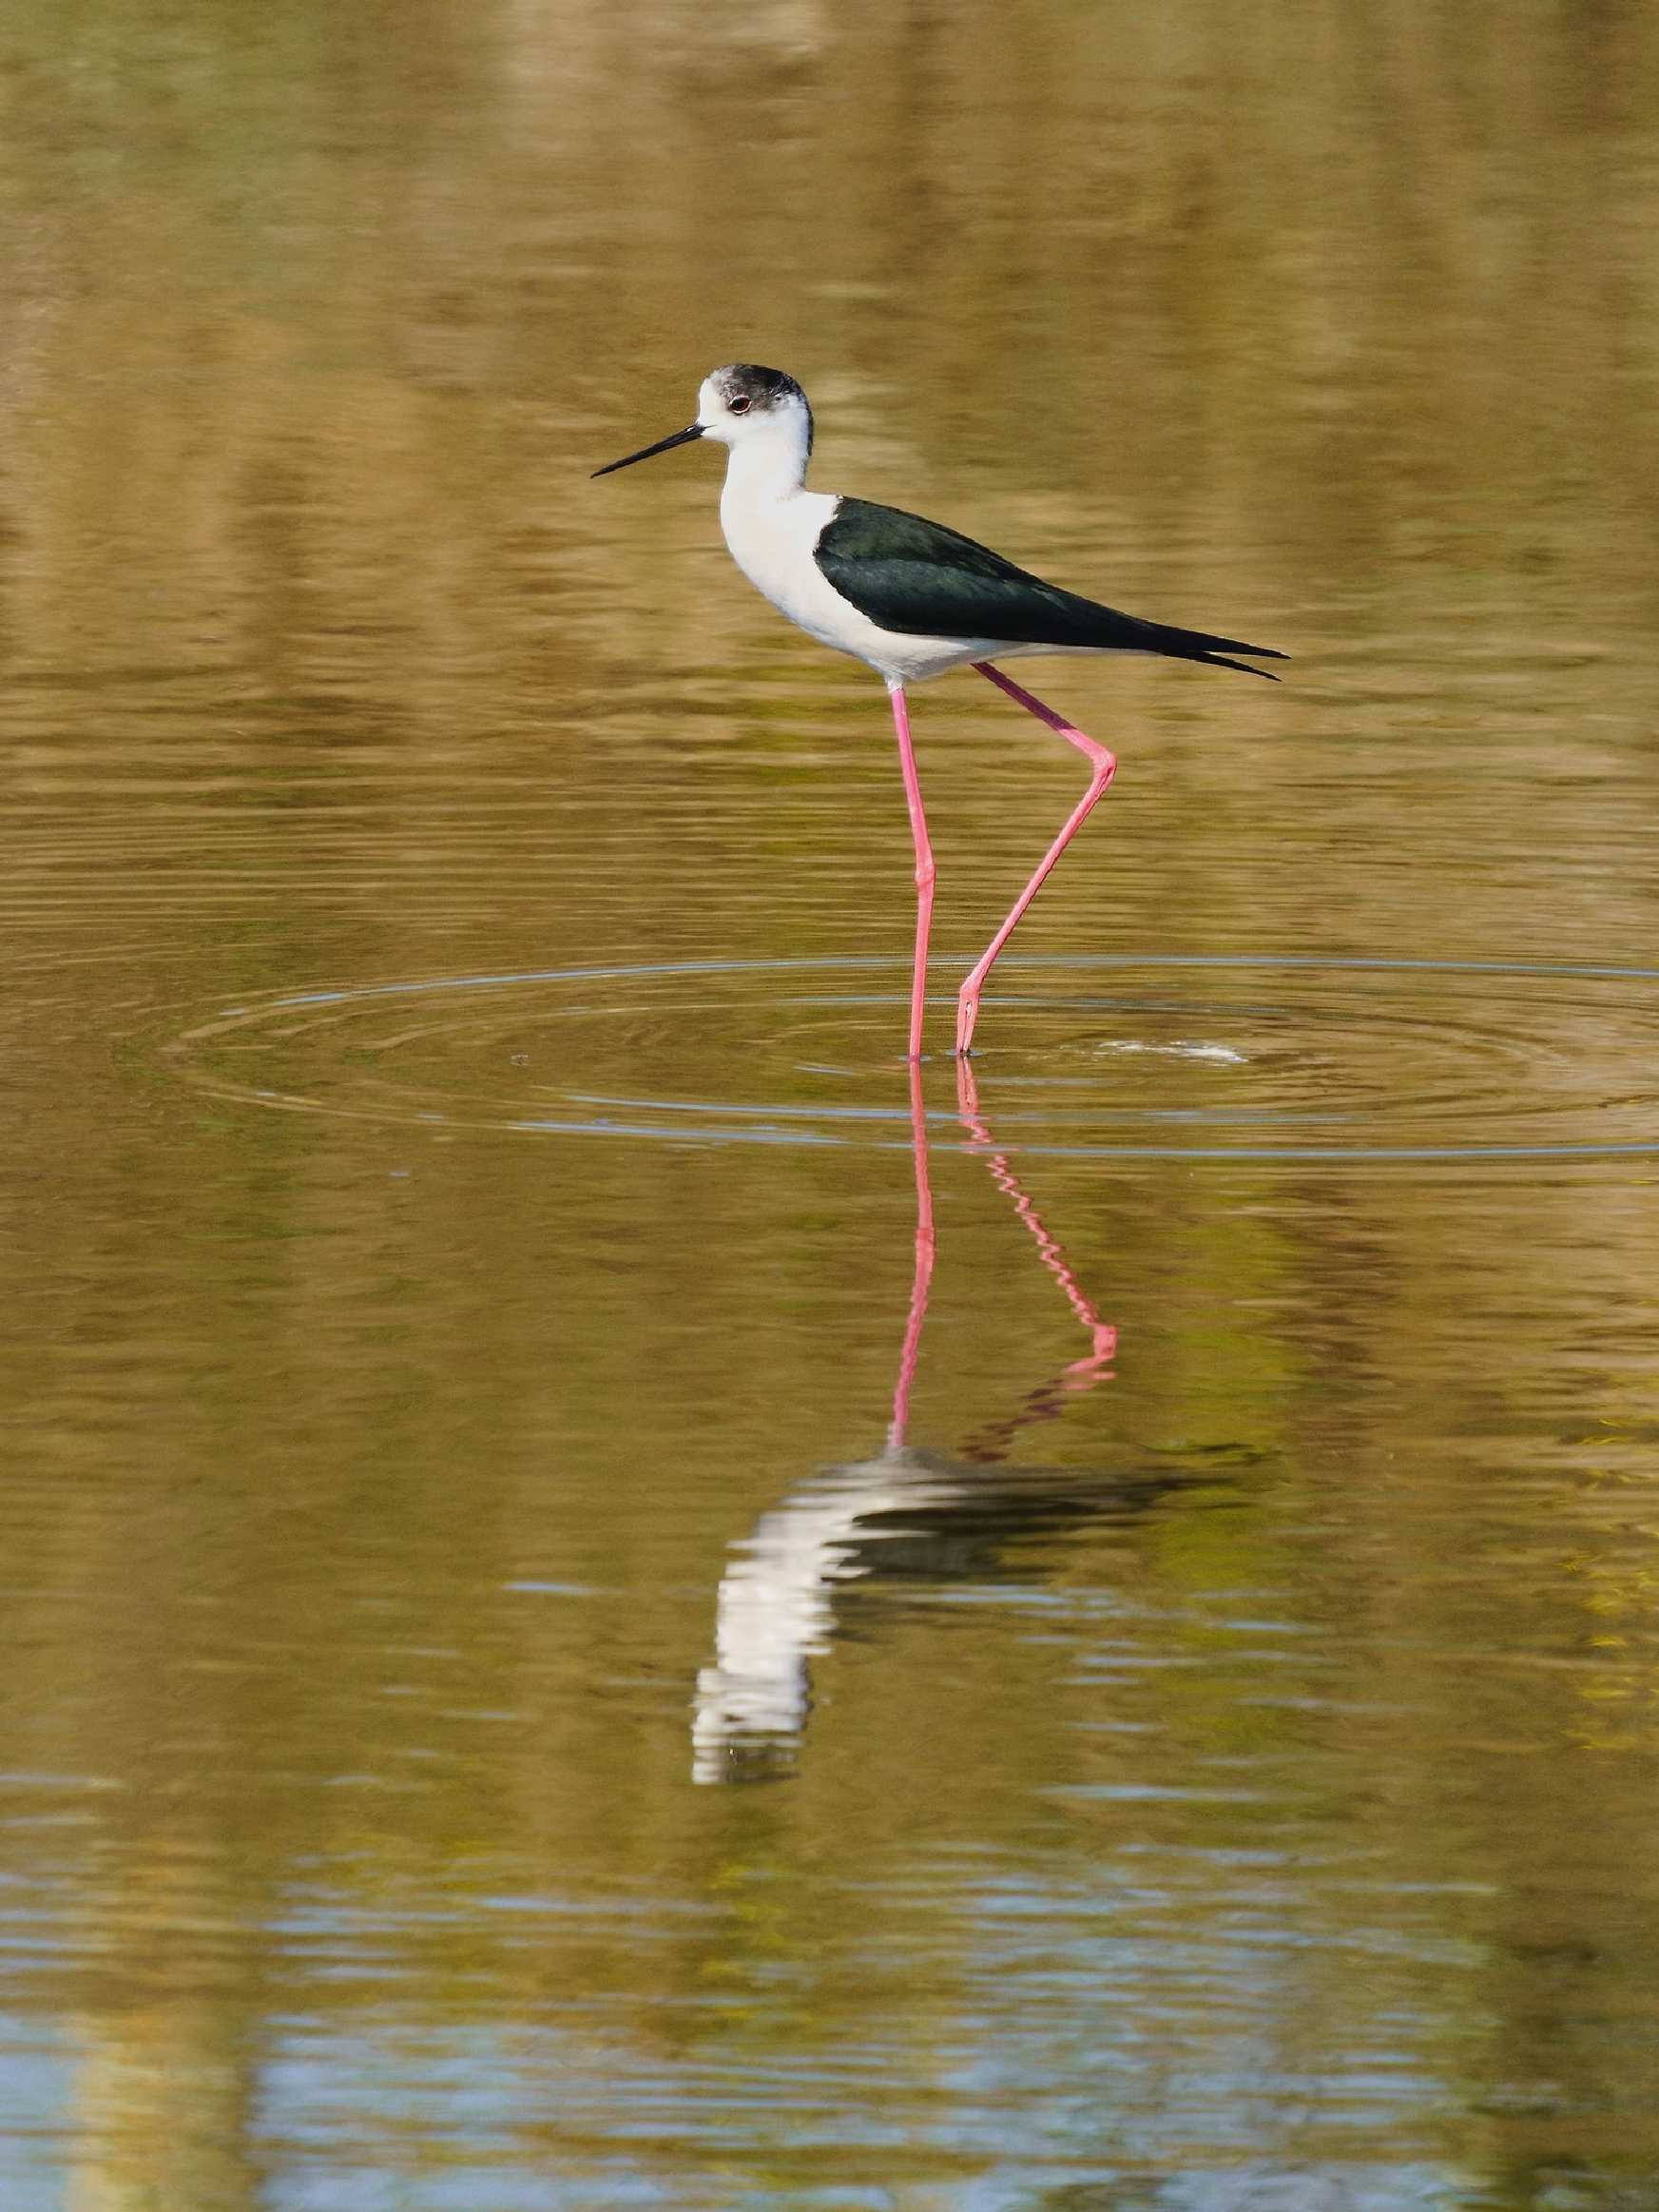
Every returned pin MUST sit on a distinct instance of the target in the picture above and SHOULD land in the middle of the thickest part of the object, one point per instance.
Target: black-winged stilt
(913, 599)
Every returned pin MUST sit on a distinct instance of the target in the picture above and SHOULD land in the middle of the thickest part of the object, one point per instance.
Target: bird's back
(914, 576)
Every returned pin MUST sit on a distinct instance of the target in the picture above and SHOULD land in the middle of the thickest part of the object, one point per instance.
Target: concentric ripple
(1130, 1056)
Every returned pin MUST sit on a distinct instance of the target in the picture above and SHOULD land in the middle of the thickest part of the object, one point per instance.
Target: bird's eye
(740, 405)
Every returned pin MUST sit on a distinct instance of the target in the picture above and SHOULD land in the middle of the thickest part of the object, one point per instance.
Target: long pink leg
(924, 868)
(1103, 767)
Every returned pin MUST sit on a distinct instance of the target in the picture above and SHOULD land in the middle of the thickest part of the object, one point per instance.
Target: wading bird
(913, 599)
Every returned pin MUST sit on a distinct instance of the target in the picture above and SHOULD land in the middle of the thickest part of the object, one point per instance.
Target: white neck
(768, 459)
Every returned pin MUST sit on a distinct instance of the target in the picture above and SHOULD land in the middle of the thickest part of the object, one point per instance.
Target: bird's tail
(1215, 652)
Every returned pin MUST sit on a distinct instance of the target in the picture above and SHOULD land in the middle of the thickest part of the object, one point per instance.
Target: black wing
(918, 577)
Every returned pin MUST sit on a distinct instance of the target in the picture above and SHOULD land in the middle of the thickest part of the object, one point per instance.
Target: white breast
(773, 539)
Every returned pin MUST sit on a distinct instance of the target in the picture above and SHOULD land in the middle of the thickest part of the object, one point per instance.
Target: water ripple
(1135, 1056)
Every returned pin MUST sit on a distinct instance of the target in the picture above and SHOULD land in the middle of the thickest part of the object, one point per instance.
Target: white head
(742, 402)
(759, 413)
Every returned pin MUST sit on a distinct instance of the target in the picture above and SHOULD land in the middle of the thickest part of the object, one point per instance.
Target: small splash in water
(1181, 1049)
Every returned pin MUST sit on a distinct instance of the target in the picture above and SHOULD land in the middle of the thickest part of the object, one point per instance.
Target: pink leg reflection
(922, 1279)
(1048, 1399)
(1103, 1336)
(1103, 767)
(991, 1443)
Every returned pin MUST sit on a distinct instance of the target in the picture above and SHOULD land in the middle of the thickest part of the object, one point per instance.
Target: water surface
(558, 1654)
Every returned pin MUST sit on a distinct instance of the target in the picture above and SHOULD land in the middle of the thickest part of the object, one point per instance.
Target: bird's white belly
(773, 541)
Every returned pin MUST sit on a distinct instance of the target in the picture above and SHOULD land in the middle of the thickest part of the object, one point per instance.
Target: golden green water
(490, 1721)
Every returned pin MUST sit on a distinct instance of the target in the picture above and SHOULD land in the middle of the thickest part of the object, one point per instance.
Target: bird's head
(739, 405)
(743, 401)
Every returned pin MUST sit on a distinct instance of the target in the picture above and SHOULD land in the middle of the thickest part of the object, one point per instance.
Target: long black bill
(663, 445)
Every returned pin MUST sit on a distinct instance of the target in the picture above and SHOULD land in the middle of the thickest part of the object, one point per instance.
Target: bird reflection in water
(928, 1512)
